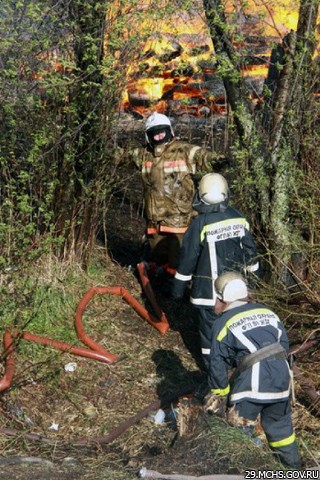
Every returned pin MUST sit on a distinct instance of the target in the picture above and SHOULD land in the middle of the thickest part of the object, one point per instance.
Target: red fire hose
(161, 324)
(145, 282)
(65, 347)
(95, 351)
(6, 380)
(9, 344)
(117, 431)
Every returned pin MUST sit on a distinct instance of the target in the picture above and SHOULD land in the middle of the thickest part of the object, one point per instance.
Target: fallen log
(144, 473)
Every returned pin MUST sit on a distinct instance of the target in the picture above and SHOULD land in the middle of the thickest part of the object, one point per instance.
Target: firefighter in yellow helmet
(168, 166)
(251, 338)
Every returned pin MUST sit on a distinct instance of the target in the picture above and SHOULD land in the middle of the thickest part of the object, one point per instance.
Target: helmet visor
(159, 134)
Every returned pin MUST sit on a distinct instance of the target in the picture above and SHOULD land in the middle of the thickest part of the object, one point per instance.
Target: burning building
(176, 70)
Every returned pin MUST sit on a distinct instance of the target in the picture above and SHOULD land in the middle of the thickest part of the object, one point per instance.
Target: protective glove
(216, 404)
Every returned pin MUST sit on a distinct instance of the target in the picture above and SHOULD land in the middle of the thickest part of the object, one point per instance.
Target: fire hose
(138, 416)
(95, 351)
(146, 285)
(116, 432)
(307, 386)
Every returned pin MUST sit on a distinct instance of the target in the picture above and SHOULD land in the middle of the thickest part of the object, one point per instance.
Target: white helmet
(230, 286)
(155, 123)
(213, 189)
(156, 119)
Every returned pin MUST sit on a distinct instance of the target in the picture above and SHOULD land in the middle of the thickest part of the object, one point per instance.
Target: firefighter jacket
(240, 330)
(167, 175)
(216, 241)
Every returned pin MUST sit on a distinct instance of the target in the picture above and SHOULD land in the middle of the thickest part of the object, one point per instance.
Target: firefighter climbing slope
(168, 166)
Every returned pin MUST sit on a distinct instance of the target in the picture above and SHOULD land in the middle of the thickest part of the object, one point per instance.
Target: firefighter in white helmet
(168, 167)
(251, 339)
(218, 239)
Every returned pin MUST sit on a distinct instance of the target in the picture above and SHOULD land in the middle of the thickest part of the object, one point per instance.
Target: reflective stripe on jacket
(240, 331)
(213, 243)
(167, 175)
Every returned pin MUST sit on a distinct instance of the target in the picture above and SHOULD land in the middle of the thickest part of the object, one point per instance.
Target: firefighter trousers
(205, 318)
(165, 248)
(276, 422)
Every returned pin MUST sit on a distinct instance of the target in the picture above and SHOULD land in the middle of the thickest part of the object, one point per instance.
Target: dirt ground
(93, 401)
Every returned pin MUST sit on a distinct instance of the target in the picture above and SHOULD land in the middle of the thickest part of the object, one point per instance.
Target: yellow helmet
(230, 286)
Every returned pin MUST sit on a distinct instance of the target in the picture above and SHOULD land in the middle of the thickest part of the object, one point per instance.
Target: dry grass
(43, 393)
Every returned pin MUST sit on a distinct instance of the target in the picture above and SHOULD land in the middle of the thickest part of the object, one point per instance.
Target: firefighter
(252, 339)
(168, 169)
(218, 239)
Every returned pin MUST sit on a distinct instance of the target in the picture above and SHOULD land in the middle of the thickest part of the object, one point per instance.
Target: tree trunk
(251, 139)
(292, 100)
(76, 204)
(271, 141)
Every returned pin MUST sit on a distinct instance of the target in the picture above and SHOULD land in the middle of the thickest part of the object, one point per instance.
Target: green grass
(42, 300)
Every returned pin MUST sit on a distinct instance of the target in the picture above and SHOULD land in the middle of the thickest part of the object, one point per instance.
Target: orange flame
(174, 62)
